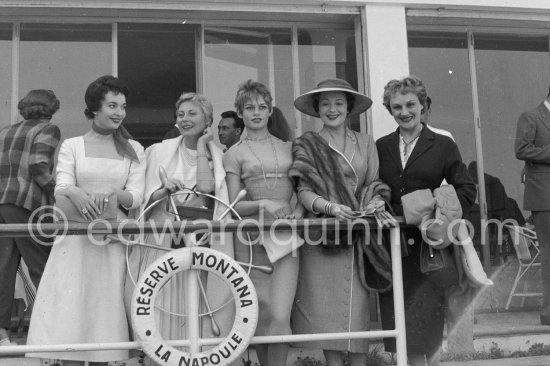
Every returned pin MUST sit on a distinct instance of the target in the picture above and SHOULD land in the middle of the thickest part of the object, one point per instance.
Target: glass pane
(326, 54)
(513, 73)
(158, 63)
(233, 55)
(441, 61)
(5, 74)
(64, 58)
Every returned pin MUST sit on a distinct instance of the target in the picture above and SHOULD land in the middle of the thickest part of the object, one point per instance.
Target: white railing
(18, 230)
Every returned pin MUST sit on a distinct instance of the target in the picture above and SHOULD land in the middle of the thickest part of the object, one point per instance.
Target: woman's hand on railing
(342, 212)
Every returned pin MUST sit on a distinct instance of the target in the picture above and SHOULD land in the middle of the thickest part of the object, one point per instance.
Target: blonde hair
(251, 90)
(409, 84)
(199, 100)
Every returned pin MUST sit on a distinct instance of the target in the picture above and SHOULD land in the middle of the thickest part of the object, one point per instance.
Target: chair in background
(528, 254)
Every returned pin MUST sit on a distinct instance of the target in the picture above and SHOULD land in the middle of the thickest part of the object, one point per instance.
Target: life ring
(159, 272)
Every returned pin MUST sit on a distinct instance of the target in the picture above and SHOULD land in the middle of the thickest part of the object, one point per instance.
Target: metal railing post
(398, 298)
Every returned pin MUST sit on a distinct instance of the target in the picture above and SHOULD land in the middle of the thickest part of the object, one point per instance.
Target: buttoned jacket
(435, 157)
(532, 145)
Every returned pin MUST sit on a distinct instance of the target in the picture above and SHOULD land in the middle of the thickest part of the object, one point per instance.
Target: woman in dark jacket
(413, 158)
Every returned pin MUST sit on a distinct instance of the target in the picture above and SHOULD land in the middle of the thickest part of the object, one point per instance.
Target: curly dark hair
(38, 104)
(97, 90)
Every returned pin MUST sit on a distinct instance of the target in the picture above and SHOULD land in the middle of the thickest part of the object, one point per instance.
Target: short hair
(200, 100)
(315, 98)
(96, 91)
(239, 123)
(38, 104)
(409, 84)
(251, 90)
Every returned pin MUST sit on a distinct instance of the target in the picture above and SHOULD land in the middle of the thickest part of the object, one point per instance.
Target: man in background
(230, 129)
(533, 147)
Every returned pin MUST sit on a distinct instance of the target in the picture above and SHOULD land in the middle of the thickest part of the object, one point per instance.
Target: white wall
(387, 58)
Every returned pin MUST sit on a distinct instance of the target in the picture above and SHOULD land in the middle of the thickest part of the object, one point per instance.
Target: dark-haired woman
(80, 299)
(330, 170)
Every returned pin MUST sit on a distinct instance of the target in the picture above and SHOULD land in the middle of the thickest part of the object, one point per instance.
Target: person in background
(260, 164)
(230, 129)
(27, 152)
(415, 158)
(532, 145)
(80, 299)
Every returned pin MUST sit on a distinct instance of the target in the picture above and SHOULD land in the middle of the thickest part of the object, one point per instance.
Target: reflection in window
(233, 55)
(5, 74)
(158, 63)
(64, 58)
(326, 54)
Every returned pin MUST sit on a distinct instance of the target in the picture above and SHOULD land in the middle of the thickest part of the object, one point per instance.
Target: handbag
(64, 209)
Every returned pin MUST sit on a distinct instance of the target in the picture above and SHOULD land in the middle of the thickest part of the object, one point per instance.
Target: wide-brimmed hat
(304, 103)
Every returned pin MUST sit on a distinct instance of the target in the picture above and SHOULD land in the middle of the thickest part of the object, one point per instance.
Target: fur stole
(316, 167)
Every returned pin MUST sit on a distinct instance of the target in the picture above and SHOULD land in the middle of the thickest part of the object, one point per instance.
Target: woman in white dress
(80, 298)
(191, 160)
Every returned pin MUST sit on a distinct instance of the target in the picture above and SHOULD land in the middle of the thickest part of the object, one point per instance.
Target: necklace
(407, 144)
(247, 141)
(263, 138)
(188, 156)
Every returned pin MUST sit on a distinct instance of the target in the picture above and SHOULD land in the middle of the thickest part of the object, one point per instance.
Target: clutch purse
(64, 209)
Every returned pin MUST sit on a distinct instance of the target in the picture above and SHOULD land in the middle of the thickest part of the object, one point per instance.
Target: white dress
(180, 164)
(80, 297)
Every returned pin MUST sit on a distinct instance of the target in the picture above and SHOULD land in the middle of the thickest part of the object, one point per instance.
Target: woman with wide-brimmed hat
(331, 168)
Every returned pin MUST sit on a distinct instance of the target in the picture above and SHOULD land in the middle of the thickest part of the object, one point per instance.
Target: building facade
(484, 61)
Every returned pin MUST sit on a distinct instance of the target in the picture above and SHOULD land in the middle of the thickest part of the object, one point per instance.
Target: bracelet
(312, 208)
(328, 207)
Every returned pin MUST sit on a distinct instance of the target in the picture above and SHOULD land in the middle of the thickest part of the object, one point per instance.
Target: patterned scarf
(121, 137)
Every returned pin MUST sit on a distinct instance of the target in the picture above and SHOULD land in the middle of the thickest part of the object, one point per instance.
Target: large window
(233, 55)
(326, 54)
(64, 58)
(512, 73)
(158, 63)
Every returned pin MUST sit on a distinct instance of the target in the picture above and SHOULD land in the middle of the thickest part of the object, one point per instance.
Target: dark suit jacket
(434, 158)
(533, 147)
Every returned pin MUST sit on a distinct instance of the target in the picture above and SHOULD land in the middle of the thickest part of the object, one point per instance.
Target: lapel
(545, 115)
(393, 148)
(424, 143)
